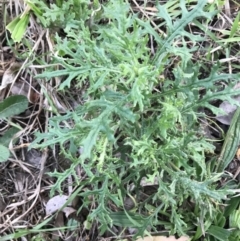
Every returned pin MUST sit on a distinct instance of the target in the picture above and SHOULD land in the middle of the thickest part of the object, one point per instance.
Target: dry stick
(43, 159)
(38, 188)
(4, 214)
(237, 173)
(227, 8)
(156, 27)
(26, 60)
(21, 165)
(9, 220)
(24, 130)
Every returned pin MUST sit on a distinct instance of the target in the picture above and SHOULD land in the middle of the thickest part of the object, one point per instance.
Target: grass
(117, 94)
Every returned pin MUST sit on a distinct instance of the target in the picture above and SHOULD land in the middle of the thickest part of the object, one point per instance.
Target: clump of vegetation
(136, 95)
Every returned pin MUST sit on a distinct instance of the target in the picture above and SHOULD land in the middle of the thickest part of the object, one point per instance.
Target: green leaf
(8, 135)
(229, 40)
(126, 104)
(42, 224)
(121, 219)
(234, 219)
(13, 105)
(231, 206)
(235, 26)
(18, 27)
(5, 154)
(219, 233)
(35, 9)
(175, 29)
(230, 144)
(12, 25)
(16, 235)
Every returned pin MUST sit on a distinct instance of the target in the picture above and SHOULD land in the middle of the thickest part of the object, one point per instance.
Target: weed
(135, 122)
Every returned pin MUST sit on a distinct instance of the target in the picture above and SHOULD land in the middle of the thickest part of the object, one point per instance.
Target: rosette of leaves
(132, 125)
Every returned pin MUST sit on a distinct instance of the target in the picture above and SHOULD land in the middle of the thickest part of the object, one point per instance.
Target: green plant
(134, 125)
(18, 26)
(11, 106)
(231, 143)
(61, 14)
(235, 225)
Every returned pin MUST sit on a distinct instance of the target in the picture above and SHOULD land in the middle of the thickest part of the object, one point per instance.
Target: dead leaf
(238, 154)
(34, 158)
(18, 88)
(19, 181)
(147, 182)
(228, 109)
(68, 211)
(59, 222)
(55, 203)
(163, 238)
(10, 74)
(21, 88)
